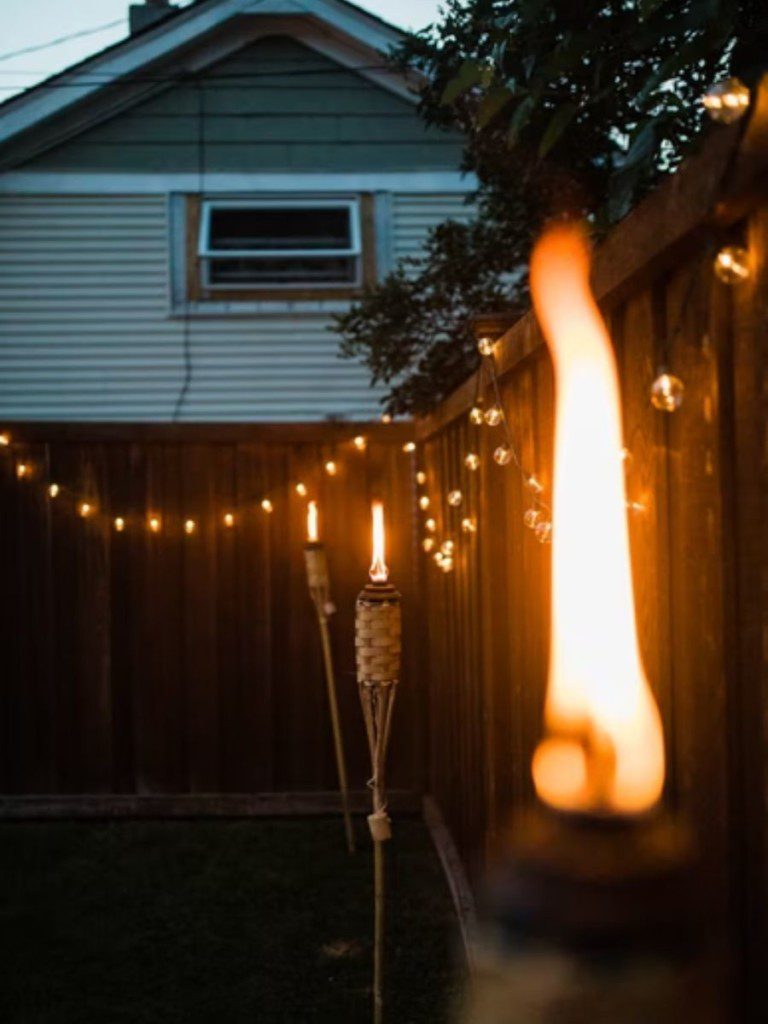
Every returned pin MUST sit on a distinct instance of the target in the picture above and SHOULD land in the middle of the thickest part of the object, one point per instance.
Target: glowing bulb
(446, 564)
(667, 392)
(229, 520)
(267, 505)
(533, 484)
(313, 529)
(53, 490)
(455, 498)
(22, 470)
(301, 490)
(447, 547)
(438, 557)
(5, 440)
(726, 102)
(424, 502)
(386, 418)
(189, 526)
(485, 347)
(430, 525)
(732, 264)
(472, 461)
(119, 524)
(409, 446)
(543, 531)
(476, 415)
(155, 524)
(84, 509)
(493, 416)
(502, 455)
(469, 525)
(360, 443)
(421, 477)
(378, 571)
(531, 518)
(331, 468)
(428, 543)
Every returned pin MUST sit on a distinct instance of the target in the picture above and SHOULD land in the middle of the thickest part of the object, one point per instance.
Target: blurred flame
(378, 571)
(312, 525)
(605, 748)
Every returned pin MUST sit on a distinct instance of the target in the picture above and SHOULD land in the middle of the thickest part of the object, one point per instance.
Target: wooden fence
(698, 541)
(172, 663)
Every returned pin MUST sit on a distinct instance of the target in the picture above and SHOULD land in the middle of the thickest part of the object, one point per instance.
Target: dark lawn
(260, 921)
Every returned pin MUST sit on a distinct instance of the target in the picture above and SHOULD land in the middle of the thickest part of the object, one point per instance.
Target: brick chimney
(141, 16)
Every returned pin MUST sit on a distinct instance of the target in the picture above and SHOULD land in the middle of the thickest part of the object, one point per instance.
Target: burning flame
(312, 527)
(378, 571)
(605, 749)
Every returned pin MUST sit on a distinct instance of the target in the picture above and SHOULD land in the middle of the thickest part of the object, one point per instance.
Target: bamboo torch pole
(319, 590)
(378, 646)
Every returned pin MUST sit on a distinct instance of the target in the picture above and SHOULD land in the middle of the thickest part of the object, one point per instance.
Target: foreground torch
(319, 590)
(592, 918)
(378, 646)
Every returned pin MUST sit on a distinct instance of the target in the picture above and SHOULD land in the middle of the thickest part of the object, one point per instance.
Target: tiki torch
(595, 912)
(378, 647)
(319, 590)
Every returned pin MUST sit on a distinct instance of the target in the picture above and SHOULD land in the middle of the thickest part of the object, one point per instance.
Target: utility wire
(63, 39)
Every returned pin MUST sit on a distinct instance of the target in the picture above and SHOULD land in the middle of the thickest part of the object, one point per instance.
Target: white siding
(85, 330)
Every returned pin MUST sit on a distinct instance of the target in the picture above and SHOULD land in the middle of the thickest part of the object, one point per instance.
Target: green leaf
(560, 120)
(520, 119)
(643, 145)
(470, 73)
(493, 101)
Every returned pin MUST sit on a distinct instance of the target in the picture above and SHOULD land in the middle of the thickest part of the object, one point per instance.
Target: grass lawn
(261, 921)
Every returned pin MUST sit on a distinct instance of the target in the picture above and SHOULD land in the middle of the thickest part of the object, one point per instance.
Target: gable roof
(183, 43)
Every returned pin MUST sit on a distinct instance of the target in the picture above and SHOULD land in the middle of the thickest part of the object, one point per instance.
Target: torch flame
(312, 529)
(605, 749)
(378, 571)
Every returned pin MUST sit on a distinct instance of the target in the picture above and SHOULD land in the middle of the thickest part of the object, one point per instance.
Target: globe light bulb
(667, 392)
(189, 526)
(430, 525)
(485, 347)
(469, 524)
(84, 509)
(543, 531)
(421, 477)
(301, 490)
(155, 524)
(446, 564)
(428, 543)
(493, 416)
(438, 557)
(331, 468)
(267, 505)
(119, 524)
(229, 520)
(732, 264)
(22, 470)
(386, 418)
(409, 446)
(502, 455)
(726, 101)
(5, 440)
(424, 502)
(472, 461)
(455, 498)
(476, 415)
(360, 443)
(533, 484)
(531, 518)
(447, 547)
(53, 490)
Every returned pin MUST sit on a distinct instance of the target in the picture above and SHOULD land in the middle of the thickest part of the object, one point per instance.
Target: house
(182, 214)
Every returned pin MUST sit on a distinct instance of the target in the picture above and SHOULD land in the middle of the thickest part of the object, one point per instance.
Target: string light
(360, 443)
(428, 543)
(22, 470)
(455, 498)
(386, 418)
(267, 505)
(53, 490)
(447, 547)
(438, 557)
(430, 525)
(469, 525)
(472, 461)
(667, 392)
(421, 477)
(5, 440)
(533, 484)
(502, 455)
(409, 446)
(485, 347)
(229, 520)
(84, 509)
(446, 564)
(476, 415)
(301, 490)
(531, 518)
(155, 524)
(732, 264)
(189, 526)
(119, 524)
(493, 416)
(331, 468)
(727, 101)
(424, 502)
(543, 531)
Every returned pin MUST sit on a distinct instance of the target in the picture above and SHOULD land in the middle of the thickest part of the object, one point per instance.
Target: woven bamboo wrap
(317, 566)
(378, 635)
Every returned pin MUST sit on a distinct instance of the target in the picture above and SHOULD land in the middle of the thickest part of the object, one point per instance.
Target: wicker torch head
(317, 568)
(378, 634)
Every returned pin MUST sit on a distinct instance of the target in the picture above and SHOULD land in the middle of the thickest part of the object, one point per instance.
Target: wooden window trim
(198, 293)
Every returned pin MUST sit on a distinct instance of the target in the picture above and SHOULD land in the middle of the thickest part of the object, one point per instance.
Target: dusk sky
(32, 23)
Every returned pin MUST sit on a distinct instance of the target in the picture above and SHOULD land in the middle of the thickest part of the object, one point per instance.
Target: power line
(63, 39)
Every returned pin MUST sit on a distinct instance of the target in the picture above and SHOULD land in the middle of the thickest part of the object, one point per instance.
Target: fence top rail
(708, 193)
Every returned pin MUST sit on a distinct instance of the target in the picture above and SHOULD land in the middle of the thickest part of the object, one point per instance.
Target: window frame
(205, 254)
